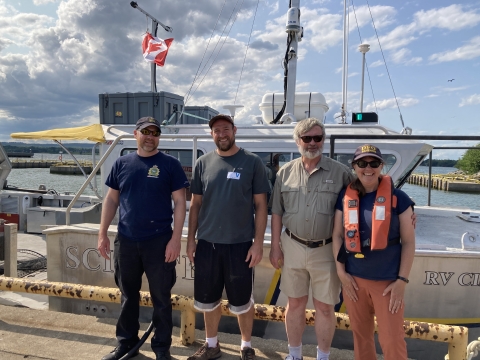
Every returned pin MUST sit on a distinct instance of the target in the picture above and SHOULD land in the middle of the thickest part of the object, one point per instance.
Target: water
(32, 178)
(440, 197)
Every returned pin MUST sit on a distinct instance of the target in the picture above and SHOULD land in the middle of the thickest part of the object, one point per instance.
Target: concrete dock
(41, 334)
(447, 183)
(29, 330)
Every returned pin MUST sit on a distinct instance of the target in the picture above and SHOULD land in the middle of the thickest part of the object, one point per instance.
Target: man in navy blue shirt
(142, 185)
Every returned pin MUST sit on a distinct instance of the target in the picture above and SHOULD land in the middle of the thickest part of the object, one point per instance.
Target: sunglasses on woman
(155, 133)
(363, 164)
(308, 139)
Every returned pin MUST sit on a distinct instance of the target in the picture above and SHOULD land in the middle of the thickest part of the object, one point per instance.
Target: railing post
(457, 350)
(10, 250)
(187, 326)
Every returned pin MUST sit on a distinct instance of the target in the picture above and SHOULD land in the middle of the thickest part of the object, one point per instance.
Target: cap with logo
(147, 121)
(220, 117)
(367, 150)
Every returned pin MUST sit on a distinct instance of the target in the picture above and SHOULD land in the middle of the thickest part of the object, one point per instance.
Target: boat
(445, 281)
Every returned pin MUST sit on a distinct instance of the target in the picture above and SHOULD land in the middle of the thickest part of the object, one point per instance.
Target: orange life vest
(381, 216)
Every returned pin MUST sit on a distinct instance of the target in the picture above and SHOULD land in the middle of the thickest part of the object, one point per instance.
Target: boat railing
(334, 137)
(455, 336)
(332, 140)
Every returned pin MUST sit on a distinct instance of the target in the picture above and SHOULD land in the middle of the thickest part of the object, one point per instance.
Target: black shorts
(219, 266)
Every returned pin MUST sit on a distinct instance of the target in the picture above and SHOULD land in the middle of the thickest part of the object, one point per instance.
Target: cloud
(468, 51)
(471, 100)
(274, 8)
(403, 56)
(452, 17)
(70, 60)
(382, 15)
(266, 45)
(43, 2)
(377, 63)
(4, 43)
(391, 103)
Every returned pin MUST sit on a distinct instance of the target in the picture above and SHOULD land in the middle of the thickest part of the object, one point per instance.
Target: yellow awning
(92, 132)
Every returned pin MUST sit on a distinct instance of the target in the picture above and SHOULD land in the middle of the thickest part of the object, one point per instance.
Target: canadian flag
(155, 49)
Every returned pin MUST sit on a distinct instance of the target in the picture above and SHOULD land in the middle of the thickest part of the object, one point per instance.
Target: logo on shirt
(153, 171)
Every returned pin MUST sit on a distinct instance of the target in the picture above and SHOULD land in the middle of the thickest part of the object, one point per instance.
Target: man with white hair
(303, 201)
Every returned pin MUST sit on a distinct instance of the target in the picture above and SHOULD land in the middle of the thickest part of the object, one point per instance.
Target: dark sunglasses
(155, 133)
(363, 164)
(308, 139)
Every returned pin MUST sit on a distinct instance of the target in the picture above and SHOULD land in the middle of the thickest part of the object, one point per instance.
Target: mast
(343, 113)
(363, 48)
(294, 31)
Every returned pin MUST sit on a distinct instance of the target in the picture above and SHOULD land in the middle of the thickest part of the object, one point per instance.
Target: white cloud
(43, 2)
(382, 15)
(403, 56)
(391, 103)
(274, 8)
(466, 52)
(471, 100)
(452, 17)
(377, 63)
(432, 96)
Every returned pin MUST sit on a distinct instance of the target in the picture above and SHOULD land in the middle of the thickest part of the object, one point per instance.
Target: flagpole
(153, 66)
(155, 23)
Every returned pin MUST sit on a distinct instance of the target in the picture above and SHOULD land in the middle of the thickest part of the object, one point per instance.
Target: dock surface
(28, 330)
(41, 334)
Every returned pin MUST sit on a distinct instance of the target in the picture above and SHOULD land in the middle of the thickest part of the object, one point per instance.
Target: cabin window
(272, 162)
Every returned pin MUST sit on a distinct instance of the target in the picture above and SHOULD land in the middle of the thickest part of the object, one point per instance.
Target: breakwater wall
(55, 166)
(449, 182)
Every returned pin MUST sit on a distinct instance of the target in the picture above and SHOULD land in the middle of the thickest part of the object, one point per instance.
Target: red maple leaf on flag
(155, 49)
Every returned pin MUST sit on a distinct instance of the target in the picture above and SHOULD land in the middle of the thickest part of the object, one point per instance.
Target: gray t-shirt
(227, 185)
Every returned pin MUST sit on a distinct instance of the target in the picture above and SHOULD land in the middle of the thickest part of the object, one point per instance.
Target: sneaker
(206, 353)
(247, 354)
(163, 355)
(290, 357)
(119, 352)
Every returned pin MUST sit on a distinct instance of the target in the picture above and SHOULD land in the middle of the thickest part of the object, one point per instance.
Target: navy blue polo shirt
(146, 185)
(377, 264)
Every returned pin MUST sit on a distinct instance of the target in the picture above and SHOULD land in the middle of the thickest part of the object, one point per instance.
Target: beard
(310, 154)
(225, 146)
(148, 147)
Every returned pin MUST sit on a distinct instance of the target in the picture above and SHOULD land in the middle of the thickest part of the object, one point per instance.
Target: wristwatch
(403, 279)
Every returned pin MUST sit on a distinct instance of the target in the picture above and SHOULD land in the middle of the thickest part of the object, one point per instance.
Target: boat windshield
(408, 171)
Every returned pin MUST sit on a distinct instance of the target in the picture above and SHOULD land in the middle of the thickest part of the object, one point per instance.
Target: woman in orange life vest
(374, 243)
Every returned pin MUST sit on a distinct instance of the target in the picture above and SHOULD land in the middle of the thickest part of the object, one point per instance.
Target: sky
(56, 57)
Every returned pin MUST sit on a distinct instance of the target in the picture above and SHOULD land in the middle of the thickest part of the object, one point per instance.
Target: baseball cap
(146, 121)
(220, 117)
(367, 150)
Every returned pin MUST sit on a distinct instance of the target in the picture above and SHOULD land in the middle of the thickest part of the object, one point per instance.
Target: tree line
(440, 163)
(83, 149)
(470, 161)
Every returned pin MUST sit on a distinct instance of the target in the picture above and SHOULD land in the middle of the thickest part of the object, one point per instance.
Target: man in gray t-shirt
(228, 208)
